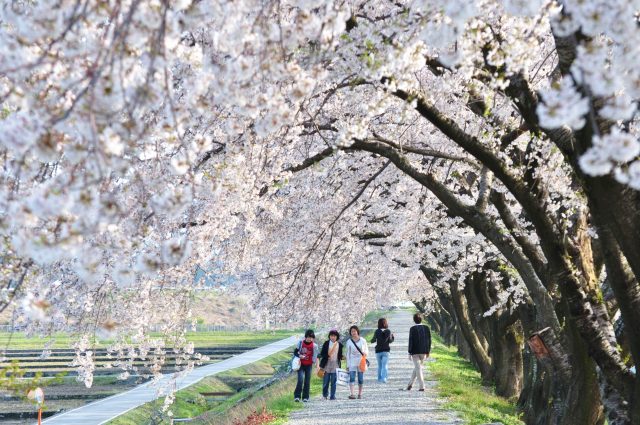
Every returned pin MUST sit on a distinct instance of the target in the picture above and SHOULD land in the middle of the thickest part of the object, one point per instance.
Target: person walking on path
(356, 350)
(419, 349)
(380, 405)
(330, 361)
(307, 351)
(383, 337)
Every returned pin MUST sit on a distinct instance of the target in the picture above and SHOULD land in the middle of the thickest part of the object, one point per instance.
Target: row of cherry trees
(481, 155)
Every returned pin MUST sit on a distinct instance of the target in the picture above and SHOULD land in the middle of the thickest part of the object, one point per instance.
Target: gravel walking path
(382, 404)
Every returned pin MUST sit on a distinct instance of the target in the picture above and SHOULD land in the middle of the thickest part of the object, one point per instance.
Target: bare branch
(424, 152)
(311, 160)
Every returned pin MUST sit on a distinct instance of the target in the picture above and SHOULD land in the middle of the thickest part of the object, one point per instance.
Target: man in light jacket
(419, 349)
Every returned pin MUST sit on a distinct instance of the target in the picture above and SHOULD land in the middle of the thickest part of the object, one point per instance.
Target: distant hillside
(215, 307)
(211, 307)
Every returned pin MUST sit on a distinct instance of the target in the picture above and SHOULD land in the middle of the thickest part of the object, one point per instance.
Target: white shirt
(353, 356)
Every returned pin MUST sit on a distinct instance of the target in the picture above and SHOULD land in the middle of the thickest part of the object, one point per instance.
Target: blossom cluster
(142, 140)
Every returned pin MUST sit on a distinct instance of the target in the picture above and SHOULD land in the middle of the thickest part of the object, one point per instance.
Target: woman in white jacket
(356, 348)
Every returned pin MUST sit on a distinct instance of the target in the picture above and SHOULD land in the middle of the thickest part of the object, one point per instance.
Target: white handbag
(295, 363)
(295, 360)
(342, 377)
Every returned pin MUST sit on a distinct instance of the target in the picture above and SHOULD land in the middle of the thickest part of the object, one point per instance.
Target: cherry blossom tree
(325, 152)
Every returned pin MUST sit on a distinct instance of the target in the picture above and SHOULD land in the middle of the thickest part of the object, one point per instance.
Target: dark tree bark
(627, 293)
(478, 352)
(502, 329)
(536, 392)
(508, 361)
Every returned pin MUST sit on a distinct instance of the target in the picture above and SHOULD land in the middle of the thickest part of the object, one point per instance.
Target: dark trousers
(329, 378)
(304, 374)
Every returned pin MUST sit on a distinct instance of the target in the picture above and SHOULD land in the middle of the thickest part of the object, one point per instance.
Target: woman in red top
(307, 351)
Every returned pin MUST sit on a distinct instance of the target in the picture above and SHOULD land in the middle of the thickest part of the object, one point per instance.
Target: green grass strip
(460, 383)
(283, 405)
(189, 403)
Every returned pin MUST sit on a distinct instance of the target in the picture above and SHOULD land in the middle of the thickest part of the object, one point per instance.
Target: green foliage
(370, 57)
(282, 406)
(371, 318)
(506, 268)
(487, 111)
(279, 184)
(12, 380)
(356, 82)
(461, 384)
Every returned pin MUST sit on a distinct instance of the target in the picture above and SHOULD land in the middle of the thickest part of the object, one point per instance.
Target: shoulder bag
(295, 361)
(364, 362)
(333, 350)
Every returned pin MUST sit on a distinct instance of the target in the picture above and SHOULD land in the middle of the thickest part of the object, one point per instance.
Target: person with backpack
(330, 361)
(307, 351)
(383, 337)
(357, 352)
(419, 349)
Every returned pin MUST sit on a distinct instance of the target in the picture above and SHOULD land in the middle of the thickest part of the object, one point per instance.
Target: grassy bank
(190, 402)
(276, 401)
(370, 320)
(460, 383)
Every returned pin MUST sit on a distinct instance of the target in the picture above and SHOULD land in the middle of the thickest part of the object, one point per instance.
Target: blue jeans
(383, 369)
(304, 374)
(352, 377)
(329, 378)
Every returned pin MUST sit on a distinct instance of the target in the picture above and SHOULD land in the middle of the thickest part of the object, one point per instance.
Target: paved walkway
(104, 410)
(382, 404)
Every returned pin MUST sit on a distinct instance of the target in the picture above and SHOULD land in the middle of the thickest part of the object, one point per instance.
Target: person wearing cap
(307, 351)
(330, 360)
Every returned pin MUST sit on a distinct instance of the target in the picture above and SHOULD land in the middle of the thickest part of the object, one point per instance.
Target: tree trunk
(478, 301)
(450, 322)
(616, 207)
(627, 292)
(589, 313)
(480, 356)
(569, 388)
(585, 309)
(584, 394)
(536, 392)
(508, 362)
(500, 332)
(434, 322)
